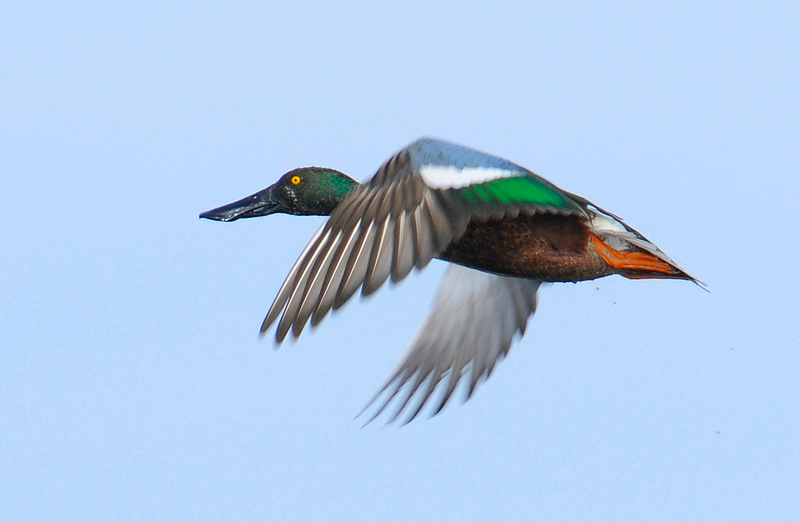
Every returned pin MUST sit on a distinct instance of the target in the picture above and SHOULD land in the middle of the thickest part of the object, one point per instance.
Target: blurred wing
(384, 228)
(418, 202)
(470, 328)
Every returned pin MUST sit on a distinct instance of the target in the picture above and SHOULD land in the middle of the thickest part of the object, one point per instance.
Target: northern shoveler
(504, 230)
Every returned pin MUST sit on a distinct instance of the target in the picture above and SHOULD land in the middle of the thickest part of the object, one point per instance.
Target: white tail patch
(450, 177)
(605, 223)
(621, 237)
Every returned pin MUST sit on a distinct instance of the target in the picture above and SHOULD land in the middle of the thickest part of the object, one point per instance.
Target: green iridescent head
(307, 191)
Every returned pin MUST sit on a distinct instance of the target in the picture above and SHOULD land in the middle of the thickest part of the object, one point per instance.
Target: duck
(503, 230)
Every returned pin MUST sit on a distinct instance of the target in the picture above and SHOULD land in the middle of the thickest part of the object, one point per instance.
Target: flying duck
(503, 229)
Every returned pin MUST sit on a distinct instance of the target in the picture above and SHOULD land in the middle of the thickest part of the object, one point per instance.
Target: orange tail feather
(644, 265)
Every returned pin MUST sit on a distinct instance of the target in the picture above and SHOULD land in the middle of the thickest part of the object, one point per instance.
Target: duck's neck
(331, 190)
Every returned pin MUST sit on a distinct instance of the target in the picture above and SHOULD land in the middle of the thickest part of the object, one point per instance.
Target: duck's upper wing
(470, 328)
(417, 203)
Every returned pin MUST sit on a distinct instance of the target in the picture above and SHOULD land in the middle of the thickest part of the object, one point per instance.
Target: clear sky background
(133, 385)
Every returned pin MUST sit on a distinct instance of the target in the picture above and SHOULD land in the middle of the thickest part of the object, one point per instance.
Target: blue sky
(133, 385)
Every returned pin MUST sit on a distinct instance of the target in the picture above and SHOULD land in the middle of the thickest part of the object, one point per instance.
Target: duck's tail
(630, 253)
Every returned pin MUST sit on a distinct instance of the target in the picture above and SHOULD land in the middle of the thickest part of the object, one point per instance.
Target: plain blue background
(133, 385)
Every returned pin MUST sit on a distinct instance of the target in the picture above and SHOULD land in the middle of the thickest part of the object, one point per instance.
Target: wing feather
(288, 285)
(380, 261)
(356, 270)
(334, 277)
(424, 247)
(290, 297)
(383, 229)
(312, 294)
(470, 328)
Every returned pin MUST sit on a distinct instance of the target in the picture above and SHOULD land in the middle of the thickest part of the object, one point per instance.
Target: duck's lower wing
(469, 329)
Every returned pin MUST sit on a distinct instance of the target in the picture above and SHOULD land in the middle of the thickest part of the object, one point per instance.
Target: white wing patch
(470, 328)
(449, 177)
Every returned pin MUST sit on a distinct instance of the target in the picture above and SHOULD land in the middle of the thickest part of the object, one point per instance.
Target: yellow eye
(296, 180)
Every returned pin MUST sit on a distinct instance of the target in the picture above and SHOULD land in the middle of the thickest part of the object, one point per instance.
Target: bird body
(504, 229)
